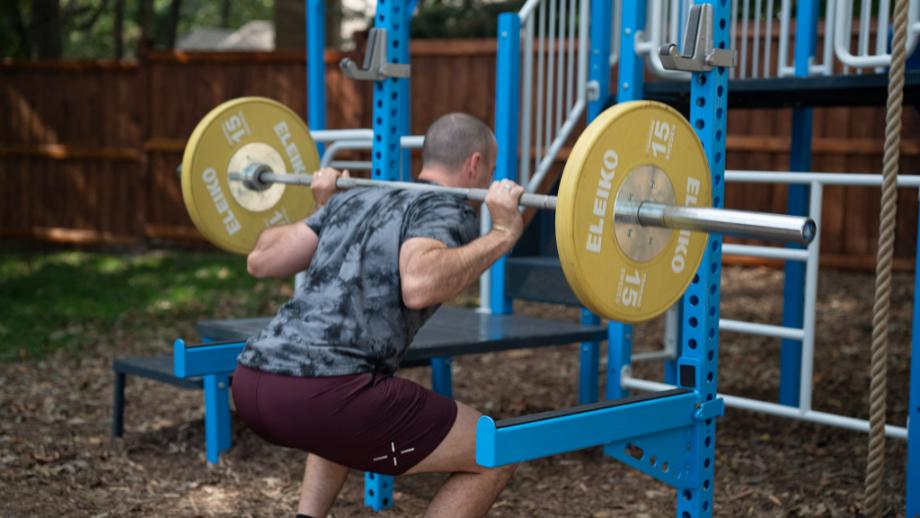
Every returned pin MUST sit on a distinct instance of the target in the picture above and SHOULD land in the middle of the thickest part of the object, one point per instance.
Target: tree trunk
(225, 14)
(144, 21)
(118, 29)
(175, 11)
(46, 28)
(290, 25)
(334, 17)
(23, 47)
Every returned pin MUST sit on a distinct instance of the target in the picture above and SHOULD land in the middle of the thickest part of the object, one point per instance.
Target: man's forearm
(446, 272)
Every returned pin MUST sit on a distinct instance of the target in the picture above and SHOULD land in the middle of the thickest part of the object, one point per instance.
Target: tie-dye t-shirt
(348, 316)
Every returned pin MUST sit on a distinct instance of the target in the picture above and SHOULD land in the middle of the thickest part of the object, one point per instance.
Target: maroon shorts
(373, 423)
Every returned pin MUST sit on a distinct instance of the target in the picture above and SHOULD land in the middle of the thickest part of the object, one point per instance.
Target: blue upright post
(391, 123)
(507, 117)
(913, 408)
(797, 204)
(599, 60)
(589, 362)
(316, 65)
(441, 378)
(599, 76)
(629, 88)
(700, 304)
(217, 436)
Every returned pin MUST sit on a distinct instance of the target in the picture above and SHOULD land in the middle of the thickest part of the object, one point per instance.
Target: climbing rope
(879, 369)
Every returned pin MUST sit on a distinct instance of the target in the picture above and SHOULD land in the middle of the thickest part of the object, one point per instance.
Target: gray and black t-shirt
(348, 317)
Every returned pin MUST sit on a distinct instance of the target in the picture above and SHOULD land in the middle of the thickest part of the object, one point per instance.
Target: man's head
(461, 149)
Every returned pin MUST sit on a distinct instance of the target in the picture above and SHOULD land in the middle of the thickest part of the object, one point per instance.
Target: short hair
(451, 140)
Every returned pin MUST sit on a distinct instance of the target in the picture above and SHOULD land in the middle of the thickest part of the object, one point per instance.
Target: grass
(62, 299)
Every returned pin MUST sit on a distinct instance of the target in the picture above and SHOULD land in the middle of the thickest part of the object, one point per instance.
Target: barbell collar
(757, 225)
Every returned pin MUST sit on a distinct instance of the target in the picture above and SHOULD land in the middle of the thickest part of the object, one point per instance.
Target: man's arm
(285, 250)
(282, 251)
(432, 273)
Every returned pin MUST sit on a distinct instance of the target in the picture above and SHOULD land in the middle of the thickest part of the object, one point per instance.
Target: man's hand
(503, 199)
(323, 184)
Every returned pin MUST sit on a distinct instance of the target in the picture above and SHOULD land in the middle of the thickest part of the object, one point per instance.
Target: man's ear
(473, 164)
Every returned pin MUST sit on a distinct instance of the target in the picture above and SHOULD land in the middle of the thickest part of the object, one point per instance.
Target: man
(378, 263)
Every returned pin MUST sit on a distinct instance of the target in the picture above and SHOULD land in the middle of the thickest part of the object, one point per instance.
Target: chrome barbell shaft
(757, 225)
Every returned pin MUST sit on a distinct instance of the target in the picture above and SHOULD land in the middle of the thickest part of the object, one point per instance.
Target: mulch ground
(57, 458)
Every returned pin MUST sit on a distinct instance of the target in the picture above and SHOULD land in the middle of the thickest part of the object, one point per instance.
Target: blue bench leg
(118, 405)
(378, 491)
(216, 415)
(589, 363)
(441, 379)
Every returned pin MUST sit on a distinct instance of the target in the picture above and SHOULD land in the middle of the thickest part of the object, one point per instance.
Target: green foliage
(64, 300)
(440, 19)
(96, 40)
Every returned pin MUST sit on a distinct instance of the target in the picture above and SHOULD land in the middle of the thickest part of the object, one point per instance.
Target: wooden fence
(88, 150)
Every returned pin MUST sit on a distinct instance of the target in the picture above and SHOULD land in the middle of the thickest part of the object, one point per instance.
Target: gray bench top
(450, 332)
(159, 368)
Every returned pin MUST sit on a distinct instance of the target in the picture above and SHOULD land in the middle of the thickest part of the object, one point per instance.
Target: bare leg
(322, 481)
(471, 489)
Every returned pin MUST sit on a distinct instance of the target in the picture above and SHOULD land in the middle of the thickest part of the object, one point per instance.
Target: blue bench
(450, 332)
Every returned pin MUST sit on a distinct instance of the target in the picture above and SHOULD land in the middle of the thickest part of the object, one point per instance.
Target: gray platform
(450, 332)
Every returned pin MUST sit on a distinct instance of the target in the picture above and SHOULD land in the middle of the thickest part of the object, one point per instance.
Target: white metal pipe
(865, 12)
(526, 102)
(526, 12)
(839, 421)
(674, 22)
(485, 280)
(842, 37)
(827, 65)
(412, 141)
(328, 135)
(651, 356)
(811, 296)
(765, 252)
(360, 165)
(561, 42)
(582, 53)
(541, 72)
(546, 162)
(550, 73)
(615, 33)
(335, 147)
(755, 62)
(648, 46)
(881, 31)
(855, 179)
(768, 41)
(672, 330)
(570, 59)
(754, 328)
(406, 142)
(742, 69)
(782, 60)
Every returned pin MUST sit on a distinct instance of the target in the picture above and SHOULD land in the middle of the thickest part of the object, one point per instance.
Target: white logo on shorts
(395, 455)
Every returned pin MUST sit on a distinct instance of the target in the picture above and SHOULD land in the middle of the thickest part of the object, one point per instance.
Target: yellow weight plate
(230, 137)
(635, 151)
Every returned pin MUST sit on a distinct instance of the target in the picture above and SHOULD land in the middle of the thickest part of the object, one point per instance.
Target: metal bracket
(698, 54)
(710, 409)
(375, 67)
(593, 90)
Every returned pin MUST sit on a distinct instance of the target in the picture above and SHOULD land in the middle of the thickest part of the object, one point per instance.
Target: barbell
(632, 212)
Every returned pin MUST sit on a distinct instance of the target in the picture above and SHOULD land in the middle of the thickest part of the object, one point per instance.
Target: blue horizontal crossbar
(550, 433)
(190, 361)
